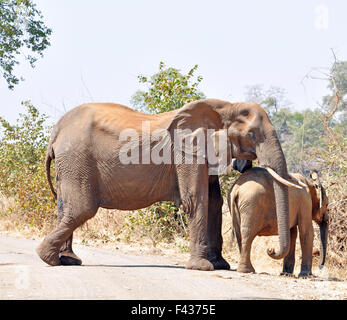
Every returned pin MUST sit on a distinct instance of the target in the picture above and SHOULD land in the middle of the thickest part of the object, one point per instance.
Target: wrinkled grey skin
(86, 147)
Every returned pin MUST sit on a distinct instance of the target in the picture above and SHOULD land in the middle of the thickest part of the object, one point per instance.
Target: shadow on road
(130, 266)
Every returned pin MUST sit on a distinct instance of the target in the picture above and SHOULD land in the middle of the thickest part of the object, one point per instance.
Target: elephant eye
(245, 113)
(251, 135)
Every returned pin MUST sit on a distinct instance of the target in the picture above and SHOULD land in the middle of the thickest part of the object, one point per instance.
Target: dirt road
(111, 274)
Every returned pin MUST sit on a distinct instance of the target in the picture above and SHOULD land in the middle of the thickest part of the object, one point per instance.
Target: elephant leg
(214, 227)
(66, 255)
(245, 264)
(78, 206)
(194, 196)
(306, 242)
(289, 260)
(49, 248)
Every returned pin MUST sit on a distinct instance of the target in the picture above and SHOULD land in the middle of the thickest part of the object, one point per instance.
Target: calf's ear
(242, 165)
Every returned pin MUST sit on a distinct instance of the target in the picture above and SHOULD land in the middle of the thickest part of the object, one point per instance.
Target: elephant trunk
(270, 154)
(323, 228)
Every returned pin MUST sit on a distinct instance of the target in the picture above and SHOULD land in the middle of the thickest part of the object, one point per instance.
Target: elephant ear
(197, 132)
(195, 115)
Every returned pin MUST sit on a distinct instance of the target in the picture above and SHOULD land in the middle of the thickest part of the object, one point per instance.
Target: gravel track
(111, 274)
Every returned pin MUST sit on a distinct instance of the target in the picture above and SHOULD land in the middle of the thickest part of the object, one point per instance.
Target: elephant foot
(68, 258)
(288, 269)
(199, 264)
(286, 274)
(219, 263)
(245, 268)
(305, 274)
(48, 255)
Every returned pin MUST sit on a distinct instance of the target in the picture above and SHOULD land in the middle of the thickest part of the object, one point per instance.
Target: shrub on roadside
(332, 157)
(160, 222)
(22, 172)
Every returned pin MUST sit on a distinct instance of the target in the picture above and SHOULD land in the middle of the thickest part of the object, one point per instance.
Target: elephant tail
(49, 157)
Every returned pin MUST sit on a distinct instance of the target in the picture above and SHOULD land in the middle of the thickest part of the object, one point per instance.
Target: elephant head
(320, 203)
(250, 136)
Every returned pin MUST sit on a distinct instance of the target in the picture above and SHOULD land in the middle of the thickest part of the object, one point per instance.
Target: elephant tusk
(298, 181)
(280, 179)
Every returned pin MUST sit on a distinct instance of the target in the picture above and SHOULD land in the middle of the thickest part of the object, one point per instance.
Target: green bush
(22, 166)
(167, 90)
(160, 222)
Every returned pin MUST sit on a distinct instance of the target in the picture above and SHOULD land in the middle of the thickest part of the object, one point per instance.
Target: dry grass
(337, 242)
(15, 221)
(105, 227)
(5, 203)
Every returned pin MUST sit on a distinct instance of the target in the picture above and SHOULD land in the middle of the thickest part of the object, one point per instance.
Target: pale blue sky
(99, 47)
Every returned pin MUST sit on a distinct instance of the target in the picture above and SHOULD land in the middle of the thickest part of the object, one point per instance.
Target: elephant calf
(252, 206)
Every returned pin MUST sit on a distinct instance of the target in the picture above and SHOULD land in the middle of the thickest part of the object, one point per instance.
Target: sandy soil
(126, 273)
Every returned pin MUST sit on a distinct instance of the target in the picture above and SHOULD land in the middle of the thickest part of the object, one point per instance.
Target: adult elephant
(94, 170)
(252, 205)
